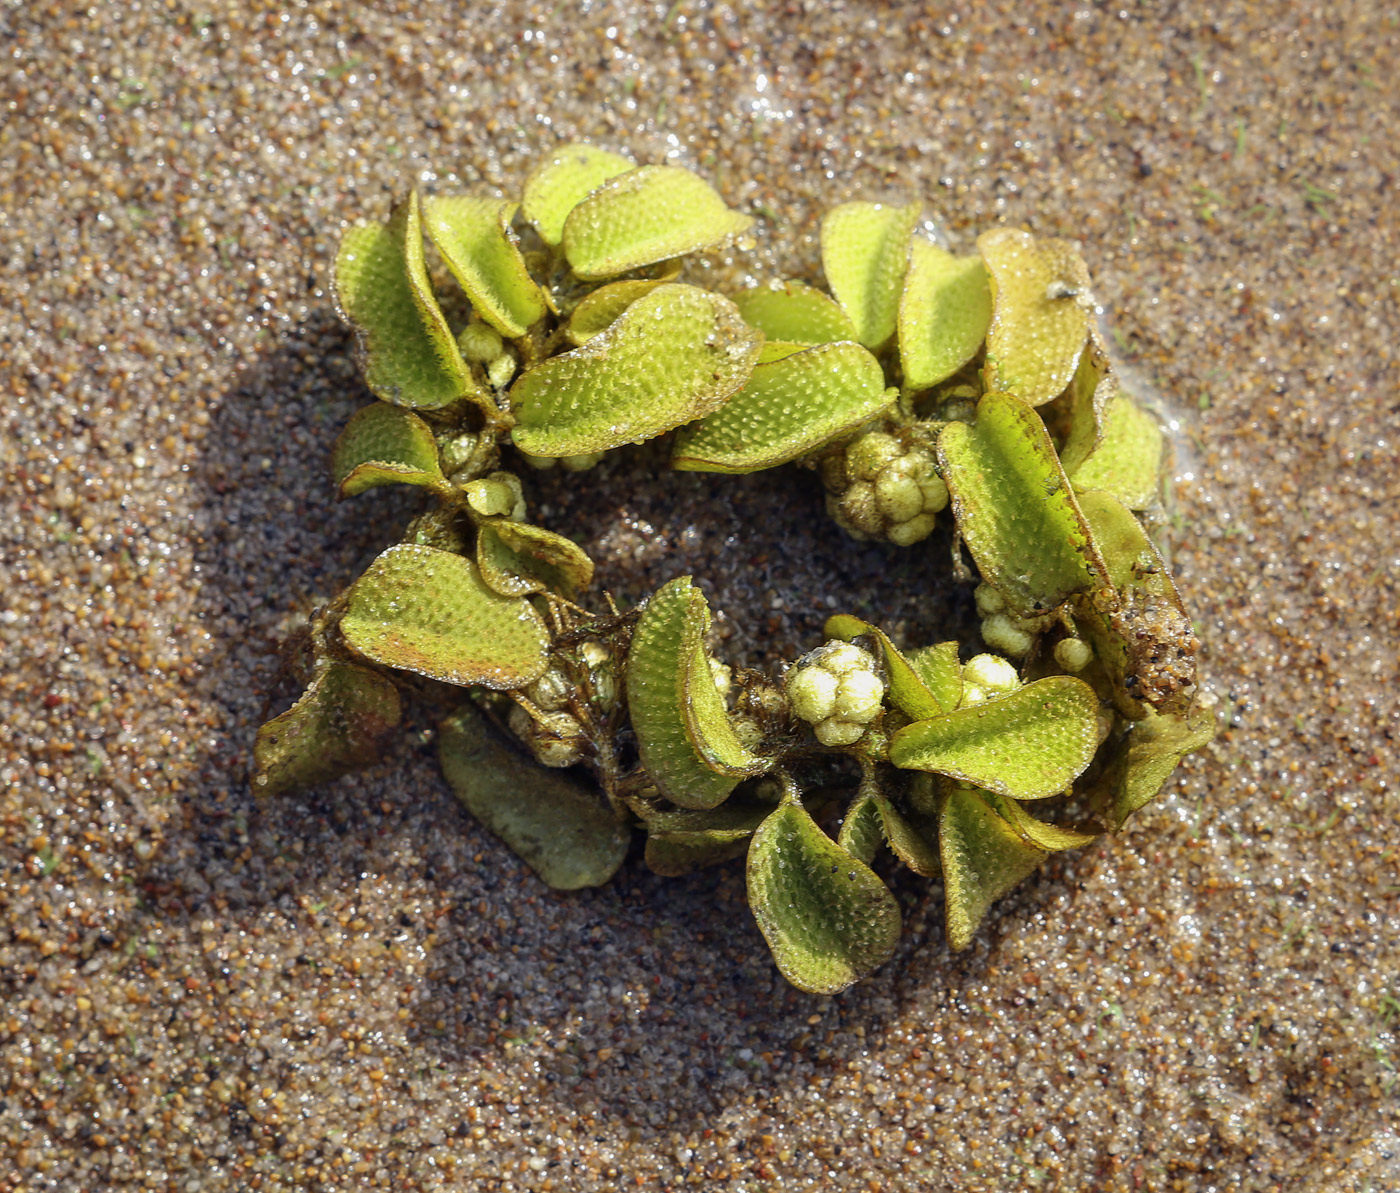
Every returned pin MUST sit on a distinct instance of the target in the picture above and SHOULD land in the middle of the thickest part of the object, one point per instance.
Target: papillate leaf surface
(411, 358)
(341, 723)
(865, 253)
(825, 914)
(1149, 752)
(939, 668)
(565, 832)
(673, 356)
(795, 313)
(703, 710)
(474, 237)
(1127, 460)
(983, 858)
(1043, 835)
(1029, 744)
(562, 182)
(1013, 507)
(649, 214)
(516, 558)
(944, 313)
(600, 309)
(427, 611)
(1040, 319)
(385, 445)
(788, 408)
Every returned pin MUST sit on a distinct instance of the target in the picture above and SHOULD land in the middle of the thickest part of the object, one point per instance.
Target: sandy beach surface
(359, 988)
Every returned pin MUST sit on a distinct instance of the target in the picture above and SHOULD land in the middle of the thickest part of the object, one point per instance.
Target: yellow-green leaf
(681, 841)
(649, 214)
(939, 668)
(659, 664)
(862, 831)
(1040, 319)
(1145, 757)
(673, 356)
(601, 309)
(565, 832)
(983, 858)
(427, 611)
(1127, 462)
(516, 558)
(475, 239)
(706, 718)
(944, 313)
(341, 723)
(827, 917)
(385, 445)
(561, 183)
(1029, 744)
(795, 313)
(908, 691)
(865, 253)
(788, 408)
(1050, 837)
(1013, 507)
(411, 358)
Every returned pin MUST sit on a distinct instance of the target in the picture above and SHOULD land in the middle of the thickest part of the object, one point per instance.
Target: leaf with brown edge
(565, 832)
(385, 445)
(340, 724)
(516, 559)
(429, 612)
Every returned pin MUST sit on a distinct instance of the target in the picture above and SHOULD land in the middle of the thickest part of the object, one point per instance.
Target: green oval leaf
(939, 668)
(381, 281)
(659, 664)
(908, 691)
(1040, 313)
(1053, 838)
(601, 309)
(873, 820)
(649, 214)
(682, 841)
(340, 724)
(788, 408)
(674, 355)
(983, 858)
(795, 313)
(1127, 461)
(474, 237)
(1145, 757)
(1029, 744)
(865, 253)
(385, 445)
(427, 611)
(1085, 406)
(707, 722)
(827, 917)
(1014, 508)
(516, 558)
(562, 182)
(563, 831)
(862, 831)
(944, 313)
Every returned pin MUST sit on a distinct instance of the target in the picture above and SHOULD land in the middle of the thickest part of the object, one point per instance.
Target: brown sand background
(361, 989)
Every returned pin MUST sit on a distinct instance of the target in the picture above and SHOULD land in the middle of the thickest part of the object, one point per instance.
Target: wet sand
(359, 988)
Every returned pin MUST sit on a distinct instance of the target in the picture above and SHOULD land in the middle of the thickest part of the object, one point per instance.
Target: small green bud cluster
(482, 344)
(837, 690)
(879, 488)
(499, 495)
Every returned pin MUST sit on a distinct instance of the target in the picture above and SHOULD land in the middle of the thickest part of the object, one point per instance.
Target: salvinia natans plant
(918, 380)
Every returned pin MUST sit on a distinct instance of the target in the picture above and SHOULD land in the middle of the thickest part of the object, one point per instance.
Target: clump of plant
(919, 381)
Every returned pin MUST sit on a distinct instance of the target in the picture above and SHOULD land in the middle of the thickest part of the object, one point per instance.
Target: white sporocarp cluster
(880, 488)
(836, 688)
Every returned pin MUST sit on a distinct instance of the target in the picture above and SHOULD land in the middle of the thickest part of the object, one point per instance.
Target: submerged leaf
(795, 313)
(908, 691)
(474, 237)
(411, 358)
(516, 558)
(865, 252)
(682, 841)
(944, 314)
(562, 830)
(1014, 508)
(601, 309)
(789, 407)
(663, 676)
(1040, 318)
(560, 184)
(385, 445)
(983, 858)
(340, 724)
(673, 356)
(649, 214)
(825, 914)
(427, 611)
(1028, 744)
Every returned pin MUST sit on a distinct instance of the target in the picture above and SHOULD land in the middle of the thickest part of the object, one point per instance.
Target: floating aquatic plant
(919, 382)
